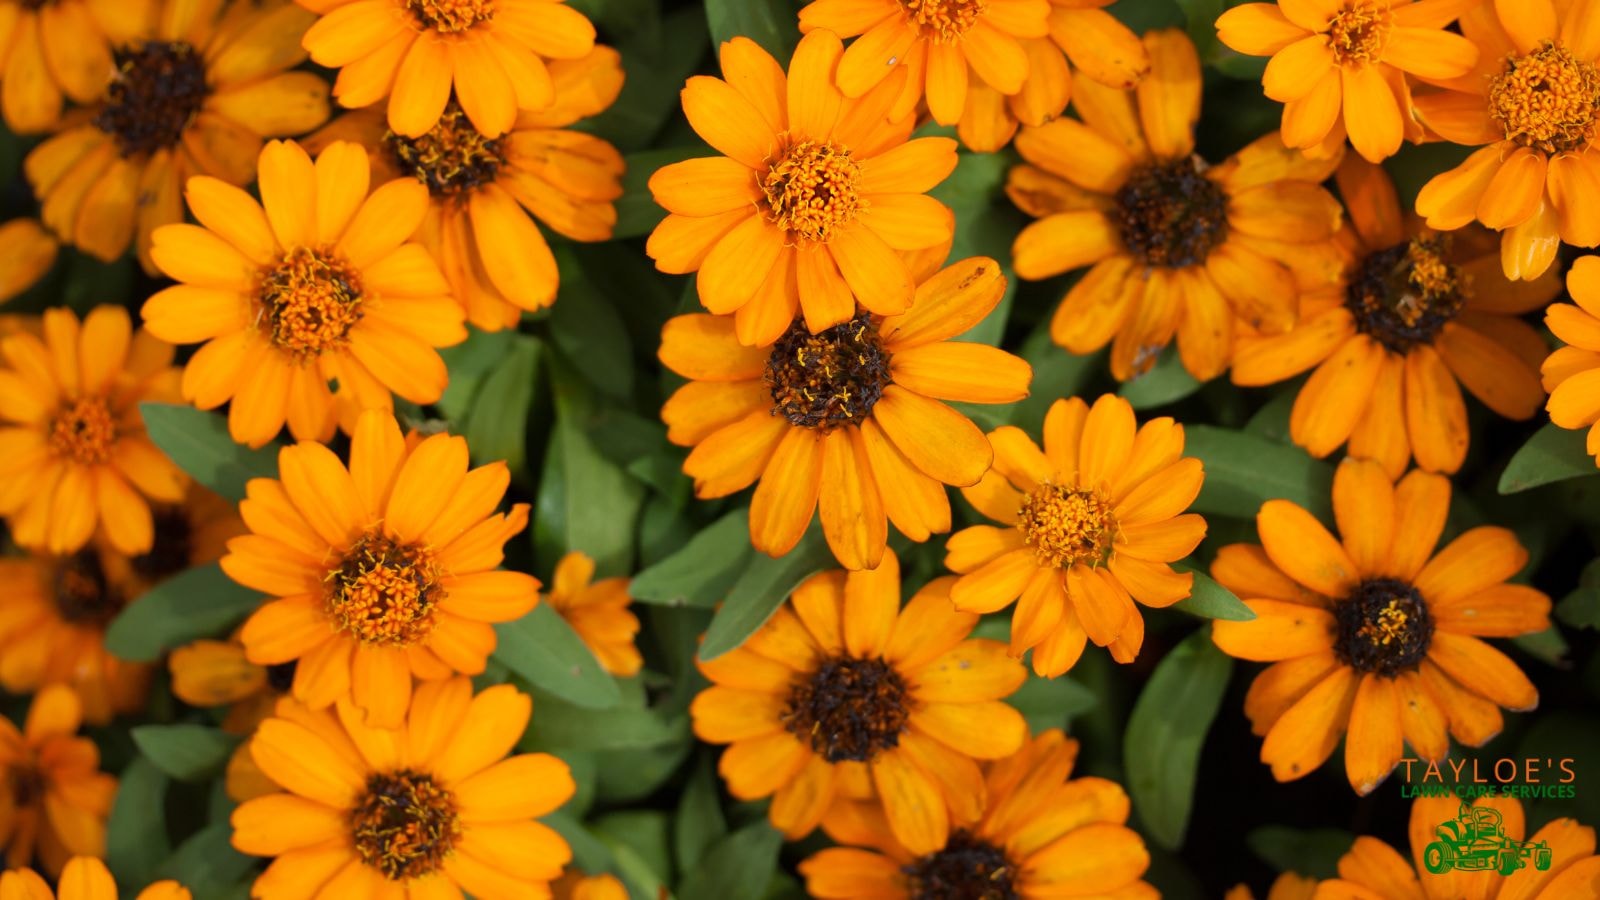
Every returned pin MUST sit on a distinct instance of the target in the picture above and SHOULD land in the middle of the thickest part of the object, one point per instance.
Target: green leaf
(588, 852)
(702, 573)
(737, 867)
(760, 590)
(699, 822)
(590, 334)
(657, 60)
(770, 23)
(1210, 600)
(1161, 748)
(1552, 454)
(206, 863)
(1581, 608)
(646, 832)
(637, 210)
(496, 428)
(1201, 17)
(1245, 470)
(1313, 852)
(185, 752)
(1056, 374)
(543, 649)
(585, 501)
(1166, 382)
(198, 443)
(1051, 702)
(136, 833)
(196, 603)
(566, 726)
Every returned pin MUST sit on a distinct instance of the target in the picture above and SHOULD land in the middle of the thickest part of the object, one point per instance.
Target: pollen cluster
(405, 825)
(156, 91)
(1401, 296)
(849, 709)
(1358, 33)
(310, 300)
(1383, 627)
(1170, 214)
(1066, 526)
(943, 21)
(450, 16)
(1547, 99)
(831, 378)
(810, 189)
(968, 868)
(452, 158)
(383, 592)
(83, 431)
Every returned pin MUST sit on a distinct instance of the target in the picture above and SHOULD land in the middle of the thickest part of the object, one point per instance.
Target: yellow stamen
(452, 158)
(1359, 32)
(309, 301)
(405, 825)
(1547, 99)
(450, 16)
(943, 21)
(384, 593)
(84, 431)
(1067, 525)
(1389, 626)
(810, 189)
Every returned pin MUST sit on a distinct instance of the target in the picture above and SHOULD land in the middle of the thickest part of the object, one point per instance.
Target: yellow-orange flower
(1572, 373)
(54, 799)
(490, 55)
(1035, 833)
(73, 452)
(318, 282)
(83, 878)
(598, 612)
(27, 252)
(848, 419)
(1414, 313)
(1177, 247)
(432, 809)
(843, 695)
(48, 50)
(382, 571)
(1088, 525)
(575, 885)
(1288, 886)
(811, 200)
(209, 673)
(1376, 635)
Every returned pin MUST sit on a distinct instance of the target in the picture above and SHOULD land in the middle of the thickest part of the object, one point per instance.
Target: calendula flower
(1349, 56)
(848, 419)
(844, 695)
(1415, 313)
(382, 571)
(74, 456)
(489, 54)
(575, 885)
(54, 799)
(431, 810)
(1571, 374)
(1533, 99)
(1376, 635)
(1288, 886)
(1570, 869)
(598, 612)
(1087, 526)
(809, 203)
(487, 193)
(27, 252)
(83, 878)
(1036, 833)
(49, 51)
(1176, 247)
(194, 90)
(318, 282)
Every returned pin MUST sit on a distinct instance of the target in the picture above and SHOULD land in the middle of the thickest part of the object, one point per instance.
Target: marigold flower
(1414, 313)
(490, 55)
(27, 252)
(382, 571)
(434, 809)
(56, 797)
(811, 201)
(1177, 247)
(73, 452)
(1376, 635)
(1534, 100)
(844, 695)
(83, 878)
(1349, 56)
(1287, 886)
(1088, 525)
(48, 50)
(1571, 374)
(598, 612)
(848, 419)
(321, 285)
(1034, 833)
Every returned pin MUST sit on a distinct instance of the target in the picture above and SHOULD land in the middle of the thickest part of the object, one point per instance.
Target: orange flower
(811, 201)
(209, 673)
(47, 50)
(54, 799)
(575, 885)
(1349, 54)
(1572, 373)
(322, 285)
(73, 452)
(84, 878)
(848, 419)
(1288, 886)
(1376, 635)
(598, 612)
(1414, 313)
(489, 54)
(27, 252)
(382, 571)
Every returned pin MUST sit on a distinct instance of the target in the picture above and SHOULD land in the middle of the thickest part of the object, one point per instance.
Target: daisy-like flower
(74, 456)
(83, 878)
(207, 674)
(849, 418)
(381, 571)
(1376, 635)
(1534, 100)
(811, 200)
(1372, 869)
(575, 885)
(1349, 56)
(1037, 833)
(487, 193)
(318, 282)
(1415, 313)
(1177, 248)
(489, 54)
(844, 695)
(48, 51)
(27, 252)
(1571, 373)
(195, 89)
(54, 799)
(598, 612)
(432, 809)
(1087, 526)
(1288, 886)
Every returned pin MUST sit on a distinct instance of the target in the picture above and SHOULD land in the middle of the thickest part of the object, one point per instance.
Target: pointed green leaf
(704, 570)
(196, 603)
(198, 443)
(1552, 454)
(761, 589)
(542, 648)
(770, 23)
(185, 752)
(737, 867)
(1210, 600)
(136, 833)
(1245, 470)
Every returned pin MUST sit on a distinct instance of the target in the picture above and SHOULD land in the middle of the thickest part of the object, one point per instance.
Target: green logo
(1473, 841)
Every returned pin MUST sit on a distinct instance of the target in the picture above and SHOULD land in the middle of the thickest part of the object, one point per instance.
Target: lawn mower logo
(1474, 841)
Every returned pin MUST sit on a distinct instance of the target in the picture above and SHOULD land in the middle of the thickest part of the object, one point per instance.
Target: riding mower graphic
(1473, 841)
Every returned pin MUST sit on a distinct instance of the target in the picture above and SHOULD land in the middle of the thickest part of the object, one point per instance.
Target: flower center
(1358, 33)
(384, 593)
(966, 869)
(1547, 99)
(1383, 627)
(405, 825)
(450, 16)
(84, 432)
(310, 300)
(452, 158)
(82, 593)
(828, 379)
(156, 92)
(810, 189)
(944, 21)
(1170, 214)
(27, 784)
(280, 677)
(1403, 295)
(169, 554)
(1066, 526)
(849, 709)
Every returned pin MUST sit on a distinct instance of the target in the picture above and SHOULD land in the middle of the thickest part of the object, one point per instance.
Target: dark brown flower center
(452, 158)
(383, 592)
(828, 379)
(450, 16)
(810, 189)
(1383, 627)
(1066, 526)
(1548, 99)
(968, 868)
(169, 553)
(27, 784)
(84, 431)
(405, 825)
(83, 595)
(849, 709)
(310, 300)
(1403, 295)
(1170, 214)
(156, 92)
